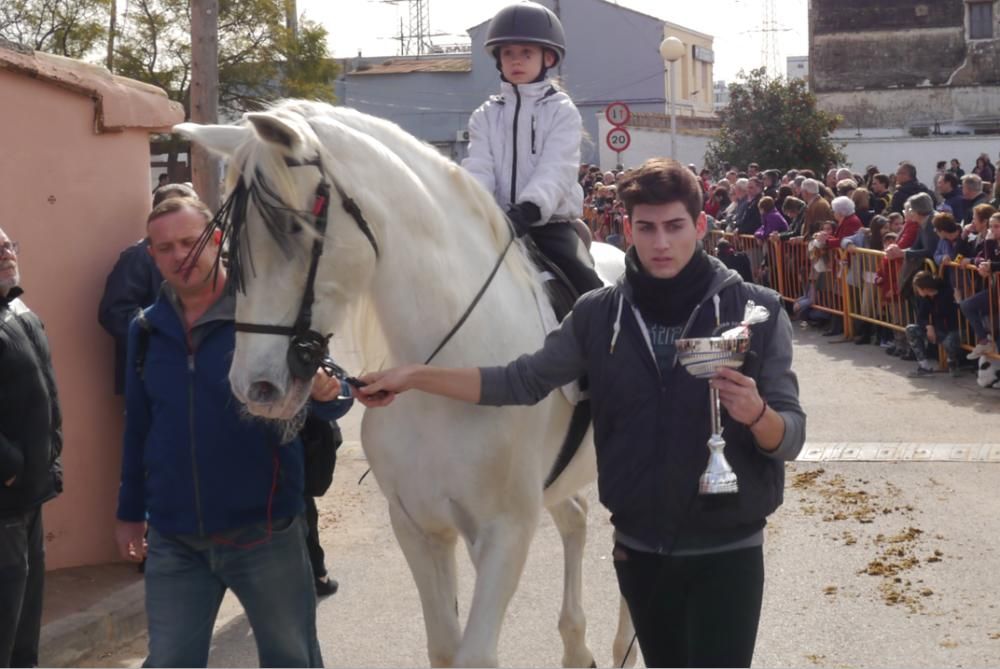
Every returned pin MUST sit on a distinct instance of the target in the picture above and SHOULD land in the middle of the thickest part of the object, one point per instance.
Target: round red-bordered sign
(618, 139)
(617, 113)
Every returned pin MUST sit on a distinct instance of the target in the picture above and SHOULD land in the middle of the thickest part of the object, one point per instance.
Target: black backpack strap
(142, 343)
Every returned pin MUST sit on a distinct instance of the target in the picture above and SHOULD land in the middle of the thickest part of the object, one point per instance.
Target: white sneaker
(980, 349)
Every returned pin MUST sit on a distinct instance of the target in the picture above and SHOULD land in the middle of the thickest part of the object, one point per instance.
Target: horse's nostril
(263, 392)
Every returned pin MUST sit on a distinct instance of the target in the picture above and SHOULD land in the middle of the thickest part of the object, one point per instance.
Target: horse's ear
(221, 139)
(272, 129)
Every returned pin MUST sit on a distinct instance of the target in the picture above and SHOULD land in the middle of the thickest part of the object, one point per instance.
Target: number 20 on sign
(618, 139)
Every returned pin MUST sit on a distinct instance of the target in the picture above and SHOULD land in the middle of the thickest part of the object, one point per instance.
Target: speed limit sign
(618, 139)
(617, 113)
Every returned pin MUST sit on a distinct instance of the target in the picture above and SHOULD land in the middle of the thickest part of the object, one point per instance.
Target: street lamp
(671, 50)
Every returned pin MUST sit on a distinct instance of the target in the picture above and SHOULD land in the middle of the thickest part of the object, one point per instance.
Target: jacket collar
(168, 311)
(11, 295)
(723, 278)
(538, 90)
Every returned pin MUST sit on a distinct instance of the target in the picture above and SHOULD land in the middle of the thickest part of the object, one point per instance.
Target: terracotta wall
(73, 199)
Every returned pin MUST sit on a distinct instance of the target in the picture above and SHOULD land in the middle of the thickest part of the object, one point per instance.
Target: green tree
(259, 60)
(773, 122)
(71, 28)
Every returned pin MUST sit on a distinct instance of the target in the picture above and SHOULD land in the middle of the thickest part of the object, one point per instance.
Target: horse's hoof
(593, 664)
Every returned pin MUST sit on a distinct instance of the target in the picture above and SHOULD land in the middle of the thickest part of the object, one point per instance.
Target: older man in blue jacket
(220, 493)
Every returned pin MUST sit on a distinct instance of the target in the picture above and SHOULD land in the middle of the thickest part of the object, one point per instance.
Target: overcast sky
(369, 25)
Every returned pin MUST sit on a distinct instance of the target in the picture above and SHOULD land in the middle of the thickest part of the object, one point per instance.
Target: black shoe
(833, 333)
(908, 355)
(892, 350)
(326, 588)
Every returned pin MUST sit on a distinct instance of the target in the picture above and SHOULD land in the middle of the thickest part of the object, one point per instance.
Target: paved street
(889, 563)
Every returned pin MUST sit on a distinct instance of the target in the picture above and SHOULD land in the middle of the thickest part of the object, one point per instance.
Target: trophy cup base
(718, 485)
(719, 477)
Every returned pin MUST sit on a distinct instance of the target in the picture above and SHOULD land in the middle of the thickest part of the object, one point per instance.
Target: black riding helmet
(529, 23)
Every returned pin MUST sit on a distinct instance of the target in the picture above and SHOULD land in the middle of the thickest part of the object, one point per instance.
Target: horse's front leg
(499, 552)
(625, 641)
(432, 562)
(570, 516)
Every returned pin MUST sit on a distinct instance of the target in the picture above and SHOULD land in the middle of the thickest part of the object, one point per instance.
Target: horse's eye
(296, 227)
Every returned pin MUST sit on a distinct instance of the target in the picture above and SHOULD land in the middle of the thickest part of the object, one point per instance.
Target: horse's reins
(308, 349)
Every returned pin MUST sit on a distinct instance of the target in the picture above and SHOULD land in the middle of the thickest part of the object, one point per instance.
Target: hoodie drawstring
(718, 319)
(617, 328)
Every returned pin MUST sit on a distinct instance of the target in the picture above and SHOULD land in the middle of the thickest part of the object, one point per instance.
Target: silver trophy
(702, 357)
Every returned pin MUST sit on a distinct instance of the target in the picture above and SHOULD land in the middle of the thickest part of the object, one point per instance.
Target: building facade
(612, 55)
(76, 193)
(926, 66)
(721, 96)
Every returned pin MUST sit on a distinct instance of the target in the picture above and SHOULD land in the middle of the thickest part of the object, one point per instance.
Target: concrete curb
(111, 623)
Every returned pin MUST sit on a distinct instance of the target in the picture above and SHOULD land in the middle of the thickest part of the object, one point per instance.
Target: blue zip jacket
(194, 463)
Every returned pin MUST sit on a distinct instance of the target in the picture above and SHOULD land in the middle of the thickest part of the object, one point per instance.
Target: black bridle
(308, 349)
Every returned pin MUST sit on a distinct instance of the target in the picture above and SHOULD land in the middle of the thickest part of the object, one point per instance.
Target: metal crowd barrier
(858, 285)
(966, 281)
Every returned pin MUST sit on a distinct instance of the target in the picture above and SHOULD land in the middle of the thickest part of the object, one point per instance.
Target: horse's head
(285, 207)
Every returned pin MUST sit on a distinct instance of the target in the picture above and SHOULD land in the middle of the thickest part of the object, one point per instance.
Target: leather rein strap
(308, 349)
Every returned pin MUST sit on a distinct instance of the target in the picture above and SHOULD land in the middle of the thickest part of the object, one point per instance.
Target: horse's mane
(407, 147)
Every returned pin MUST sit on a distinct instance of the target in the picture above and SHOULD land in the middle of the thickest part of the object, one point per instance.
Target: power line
(769, 28)
(415, 39)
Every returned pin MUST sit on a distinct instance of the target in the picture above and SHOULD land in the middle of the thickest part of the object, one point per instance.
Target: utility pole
(292, 18)
(112, 27)
(206, 168)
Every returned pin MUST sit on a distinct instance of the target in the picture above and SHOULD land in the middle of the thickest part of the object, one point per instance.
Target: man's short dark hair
(950, 179)
(882, 179)
(909, 168)
(926, 280)
(661, 181)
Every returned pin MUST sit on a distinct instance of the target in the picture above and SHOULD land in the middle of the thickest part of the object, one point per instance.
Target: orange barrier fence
(856, 284)
(967, 282)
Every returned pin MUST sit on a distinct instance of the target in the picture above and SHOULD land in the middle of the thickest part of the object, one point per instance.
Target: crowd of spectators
(947, 225)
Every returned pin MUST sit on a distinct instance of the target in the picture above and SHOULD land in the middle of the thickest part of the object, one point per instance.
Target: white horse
(447, 469)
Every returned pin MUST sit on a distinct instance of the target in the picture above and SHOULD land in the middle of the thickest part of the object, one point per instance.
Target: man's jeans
(22, 580)
(916, 336)
(186, 578)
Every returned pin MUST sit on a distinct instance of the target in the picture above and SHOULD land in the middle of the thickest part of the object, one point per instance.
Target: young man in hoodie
(692, 572)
